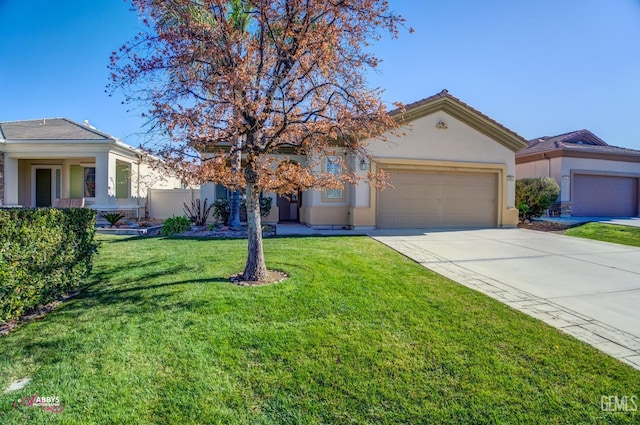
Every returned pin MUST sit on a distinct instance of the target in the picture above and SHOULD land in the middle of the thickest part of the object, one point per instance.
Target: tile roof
(50, 129)
(575, 141)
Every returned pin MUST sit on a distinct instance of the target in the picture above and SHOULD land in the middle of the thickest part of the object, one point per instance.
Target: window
(333, 166)
(82, 182)
(222, 192)
(123, 179)
(58, 182)
(89, 182)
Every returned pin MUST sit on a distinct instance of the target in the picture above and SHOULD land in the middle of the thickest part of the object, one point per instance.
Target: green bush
(222, 210)
(175, 225)
(265, 206)
(535, 195)
(44, 253)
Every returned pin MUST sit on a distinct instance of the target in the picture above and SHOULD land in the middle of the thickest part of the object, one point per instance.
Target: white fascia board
(47, 149)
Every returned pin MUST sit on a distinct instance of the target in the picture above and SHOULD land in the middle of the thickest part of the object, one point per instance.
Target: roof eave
(466, 114)
(569, 153)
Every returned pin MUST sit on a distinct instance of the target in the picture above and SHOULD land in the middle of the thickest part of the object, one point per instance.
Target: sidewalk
(574, 221)
(297, 229)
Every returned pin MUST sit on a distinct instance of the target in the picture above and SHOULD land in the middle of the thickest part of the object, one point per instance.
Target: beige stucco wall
(317, 210)
(534, 169)
(165, 203)
(332, 216)
(10, 180)
(458, 146)
(459, 142)
(547, 167)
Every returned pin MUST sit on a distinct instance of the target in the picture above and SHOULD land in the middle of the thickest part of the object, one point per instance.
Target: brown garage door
(604, 196)
(430, 199)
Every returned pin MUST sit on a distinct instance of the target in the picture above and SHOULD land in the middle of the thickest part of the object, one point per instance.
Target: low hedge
(44, 253)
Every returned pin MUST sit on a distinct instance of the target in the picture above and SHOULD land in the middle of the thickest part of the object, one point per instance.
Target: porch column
(10, 178)
(103, 189)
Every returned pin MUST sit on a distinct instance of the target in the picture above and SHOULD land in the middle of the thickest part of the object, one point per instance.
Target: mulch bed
(215, 232)
(40, 312)
(273, 276)
(224, 232)
(544, 226)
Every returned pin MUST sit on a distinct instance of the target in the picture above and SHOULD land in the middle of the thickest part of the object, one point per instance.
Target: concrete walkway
(588, 289)
(297, 229)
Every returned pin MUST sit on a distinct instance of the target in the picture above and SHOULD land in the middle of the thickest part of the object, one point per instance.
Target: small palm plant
(113, 218)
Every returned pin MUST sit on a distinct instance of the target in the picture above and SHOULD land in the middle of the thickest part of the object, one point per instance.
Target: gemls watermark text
(614, 403)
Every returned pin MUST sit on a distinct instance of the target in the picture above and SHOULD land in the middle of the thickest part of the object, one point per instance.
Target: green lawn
(625, 235)
(357, 334)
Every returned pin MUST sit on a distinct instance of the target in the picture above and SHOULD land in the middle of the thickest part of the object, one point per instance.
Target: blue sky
(539, 67)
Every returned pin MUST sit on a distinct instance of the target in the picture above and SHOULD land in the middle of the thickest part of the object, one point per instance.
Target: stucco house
(45, 161)
(595, 178)
(453, 168)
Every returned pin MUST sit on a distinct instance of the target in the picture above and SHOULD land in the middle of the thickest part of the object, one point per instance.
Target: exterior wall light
(565, 177)
(363, 164)
(510, 178)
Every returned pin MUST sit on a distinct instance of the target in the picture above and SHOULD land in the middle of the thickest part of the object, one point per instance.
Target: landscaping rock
(226, 232)
(17, 385)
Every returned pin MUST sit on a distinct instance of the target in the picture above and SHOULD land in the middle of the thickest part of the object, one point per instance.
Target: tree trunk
(255, 269)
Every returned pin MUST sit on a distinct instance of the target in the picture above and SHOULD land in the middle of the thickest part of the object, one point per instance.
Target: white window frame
(330, 165)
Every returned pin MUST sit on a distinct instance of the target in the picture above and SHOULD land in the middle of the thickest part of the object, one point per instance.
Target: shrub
(222, 209)
(44, 253)
(175, 225)
(198, 212)
(113, 218)
(535, 195)
(265, 206)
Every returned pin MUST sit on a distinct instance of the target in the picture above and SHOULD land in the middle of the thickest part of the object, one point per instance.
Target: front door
(288, 208)
(45, 186)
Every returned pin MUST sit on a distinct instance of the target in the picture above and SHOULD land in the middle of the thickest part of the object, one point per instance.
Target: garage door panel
(604, 196)
(429, 199)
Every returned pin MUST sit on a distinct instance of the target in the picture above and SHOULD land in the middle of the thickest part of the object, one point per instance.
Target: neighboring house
(48, 160)
(453, 168)
(595, 179)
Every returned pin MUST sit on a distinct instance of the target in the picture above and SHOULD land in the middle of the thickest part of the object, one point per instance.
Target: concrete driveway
(588, 289)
